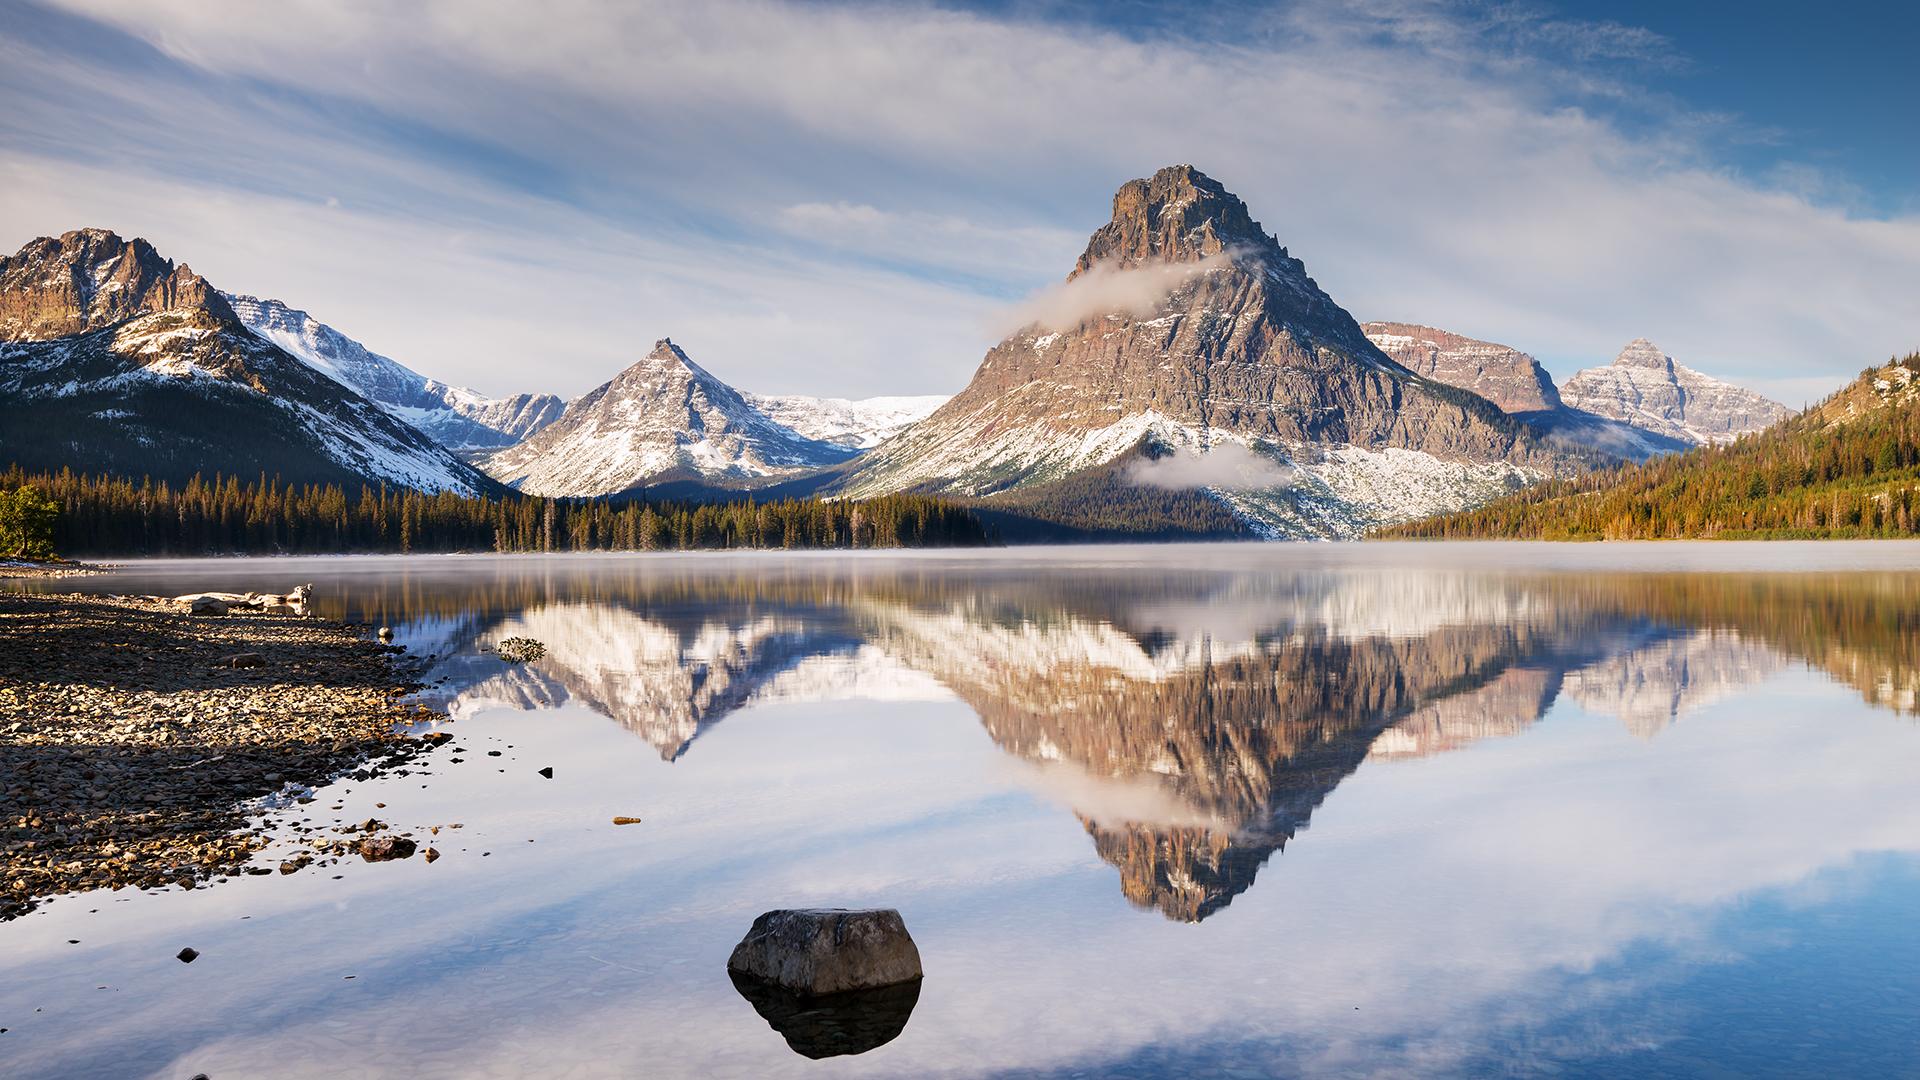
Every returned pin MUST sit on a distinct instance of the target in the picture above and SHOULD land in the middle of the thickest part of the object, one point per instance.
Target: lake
(1191, 810)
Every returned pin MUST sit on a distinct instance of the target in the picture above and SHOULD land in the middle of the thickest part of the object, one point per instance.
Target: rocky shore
(144, 746)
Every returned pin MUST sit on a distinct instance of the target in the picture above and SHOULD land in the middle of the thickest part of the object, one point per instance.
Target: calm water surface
(1173, 811)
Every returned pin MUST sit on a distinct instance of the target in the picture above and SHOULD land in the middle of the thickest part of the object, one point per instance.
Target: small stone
(386, 633)
(206, 605)
(547, 772)
(242, 660)
(188, 956)
(626, 821)
(431, 854)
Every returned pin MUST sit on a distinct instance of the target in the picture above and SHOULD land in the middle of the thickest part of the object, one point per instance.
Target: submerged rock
(385, 847)
(831, 1025)
(520, 650)
(828, 950)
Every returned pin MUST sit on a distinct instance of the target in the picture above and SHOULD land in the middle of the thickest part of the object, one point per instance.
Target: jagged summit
(117, 360)
(58, 286)
(1179, 214)
(664, 418)
(1185, 327)
(1646, 388)
(1644, 354)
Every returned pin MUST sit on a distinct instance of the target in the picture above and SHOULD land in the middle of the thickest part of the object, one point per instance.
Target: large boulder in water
(828, 950)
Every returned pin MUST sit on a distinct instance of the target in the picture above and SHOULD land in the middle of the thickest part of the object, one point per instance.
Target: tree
(27, 520)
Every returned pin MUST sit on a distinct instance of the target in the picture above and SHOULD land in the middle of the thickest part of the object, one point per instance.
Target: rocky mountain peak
(1645, 388)
(663, 418)
(1642, 353)
(57, 286)
(1179, 214)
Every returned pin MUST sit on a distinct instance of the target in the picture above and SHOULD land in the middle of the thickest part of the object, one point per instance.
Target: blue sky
(848, 199)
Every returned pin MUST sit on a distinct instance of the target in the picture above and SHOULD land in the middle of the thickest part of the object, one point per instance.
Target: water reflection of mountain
(1193, 721)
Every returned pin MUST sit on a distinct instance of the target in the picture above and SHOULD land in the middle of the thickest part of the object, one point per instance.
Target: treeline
(106, 516)
(1847, 468)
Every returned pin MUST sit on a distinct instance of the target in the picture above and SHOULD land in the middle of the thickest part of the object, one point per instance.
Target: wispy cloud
(833, 198)
(1225, 467)
(1106, 289)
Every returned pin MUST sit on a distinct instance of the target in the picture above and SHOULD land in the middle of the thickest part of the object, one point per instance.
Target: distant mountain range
(1641, 406)
(1848, 467)
(1187, 377)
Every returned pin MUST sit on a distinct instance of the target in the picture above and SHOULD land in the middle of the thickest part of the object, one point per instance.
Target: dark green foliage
(111, 516)
(1846, 468)
(1102, 504)
(27, 521)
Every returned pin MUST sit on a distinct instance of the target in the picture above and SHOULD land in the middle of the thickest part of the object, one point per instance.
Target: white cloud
(1227, 467)
(1106, 289)
(833, 196)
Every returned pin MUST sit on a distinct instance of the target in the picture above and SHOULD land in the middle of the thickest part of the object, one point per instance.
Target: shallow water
(1235, 810)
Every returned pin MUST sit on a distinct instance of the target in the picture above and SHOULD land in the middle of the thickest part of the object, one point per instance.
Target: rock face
(1645, 388)
(1185, 326)
(828, 950)
(1518, 384)
(1500, 373)
(112, 359)
(455, 417)
(58, 287)
(663, 419)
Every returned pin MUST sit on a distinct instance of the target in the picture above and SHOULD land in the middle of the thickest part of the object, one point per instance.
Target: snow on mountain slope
(454, 416)
(1645, 388)
(1185, 326)
(663, 419)
(856, 424)
(117, 361)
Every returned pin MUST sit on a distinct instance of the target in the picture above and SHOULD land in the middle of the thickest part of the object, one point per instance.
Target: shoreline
(143, 746)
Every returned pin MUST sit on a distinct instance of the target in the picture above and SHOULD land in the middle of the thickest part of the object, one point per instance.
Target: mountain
(1500, 373)
(1645, 388)
(663, 419)
(1848, 467)
(455, 417)
(856, 424)
(1518, 384)
(1185, 330)
(113, 359)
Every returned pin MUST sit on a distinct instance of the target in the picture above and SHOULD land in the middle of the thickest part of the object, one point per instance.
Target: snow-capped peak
(454, 416)
(663, 418)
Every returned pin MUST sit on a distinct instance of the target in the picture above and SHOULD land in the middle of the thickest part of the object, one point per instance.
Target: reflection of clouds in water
(1485, 890)
(1451, 902)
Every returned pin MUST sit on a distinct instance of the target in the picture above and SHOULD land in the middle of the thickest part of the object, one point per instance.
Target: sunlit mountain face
(1192, 721)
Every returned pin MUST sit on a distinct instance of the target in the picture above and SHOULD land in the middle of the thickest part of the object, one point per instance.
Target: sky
(849, 199)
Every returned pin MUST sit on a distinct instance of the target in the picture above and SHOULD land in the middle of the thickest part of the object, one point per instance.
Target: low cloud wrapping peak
(1105, 289)
(1226, 467)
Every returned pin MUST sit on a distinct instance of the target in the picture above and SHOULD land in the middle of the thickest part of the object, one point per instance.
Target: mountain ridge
(112, 358)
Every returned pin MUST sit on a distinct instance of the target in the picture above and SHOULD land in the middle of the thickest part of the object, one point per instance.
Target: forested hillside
(1848, 467)
(97, 516)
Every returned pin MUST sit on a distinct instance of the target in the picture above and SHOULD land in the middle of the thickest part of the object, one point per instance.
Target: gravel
(134, 752)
